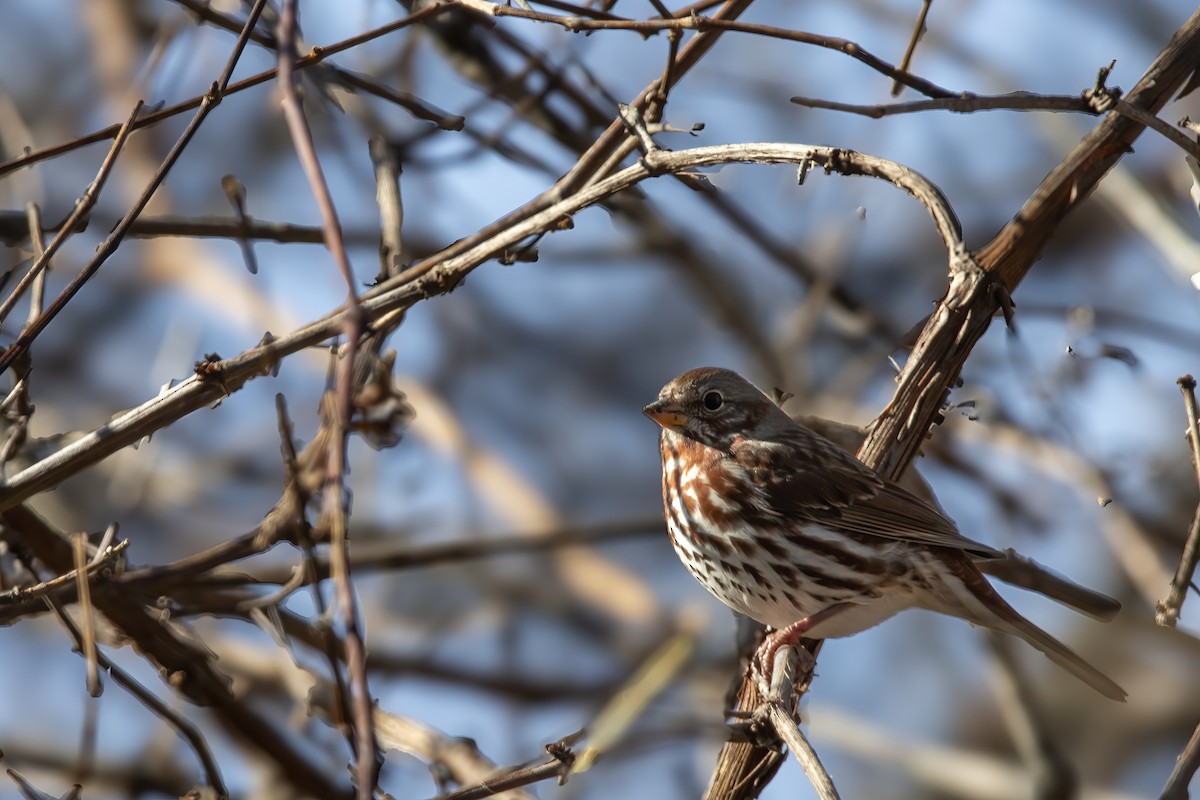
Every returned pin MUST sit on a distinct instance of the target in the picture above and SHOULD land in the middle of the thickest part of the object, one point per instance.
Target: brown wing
(805, 476)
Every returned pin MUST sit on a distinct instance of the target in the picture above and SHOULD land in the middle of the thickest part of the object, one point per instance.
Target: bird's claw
(754, 727)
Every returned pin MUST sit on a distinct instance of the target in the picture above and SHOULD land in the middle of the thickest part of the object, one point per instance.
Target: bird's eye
(713, 401)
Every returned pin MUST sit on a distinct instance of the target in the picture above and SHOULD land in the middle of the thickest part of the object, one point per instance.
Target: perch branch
(979, 285)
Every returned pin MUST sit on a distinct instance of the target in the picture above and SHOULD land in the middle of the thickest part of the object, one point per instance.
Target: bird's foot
(765, 657)
(754, 727)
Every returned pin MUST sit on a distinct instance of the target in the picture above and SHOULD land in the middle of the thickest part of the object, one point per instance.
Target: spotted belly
(776, 571)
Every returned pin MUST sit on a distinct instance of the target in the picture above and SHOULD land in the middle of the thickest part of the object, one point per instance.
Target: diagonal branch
(186, 666)
(979, 286)
(975, 293)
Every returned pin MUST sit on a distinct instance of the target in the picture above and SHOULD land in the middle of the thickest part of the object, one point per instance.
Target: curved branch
(436, 277)
(976, 293)
(215, 379)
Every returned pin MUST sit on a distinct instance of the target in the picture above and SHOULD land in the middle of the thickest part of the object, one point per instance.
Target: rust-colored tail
(1060, 654)
(988, 609)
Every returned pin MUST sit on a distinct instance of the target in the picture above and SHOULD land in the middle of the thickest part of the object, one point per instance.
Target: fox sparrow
(787, 528)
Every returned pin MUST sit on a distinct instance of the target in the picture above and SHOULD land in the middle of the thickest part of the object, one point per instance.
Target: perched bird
(789, 529)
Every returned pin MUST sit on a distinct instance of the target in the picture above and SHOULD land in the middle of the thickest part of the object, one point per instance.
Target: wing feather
(802, 475)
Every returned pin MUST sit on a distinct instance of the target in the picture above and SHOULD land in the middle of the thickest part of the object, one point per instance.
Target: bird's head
(712, 406)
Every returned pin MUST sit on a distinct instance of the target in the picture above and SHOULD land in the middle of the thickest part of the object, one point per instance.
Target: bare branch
(316, 56)
(781, 708)
(917, 33)
(83, 207)
(974, 295)
(681, 21)
(1185, 767)
(109, 246)
(368, 760)
(187, 730)
(440, 274)
(1167, 610)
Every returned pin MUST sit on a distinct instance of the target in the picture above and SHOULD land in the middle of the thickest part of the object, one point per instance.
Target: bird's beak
(666, 414)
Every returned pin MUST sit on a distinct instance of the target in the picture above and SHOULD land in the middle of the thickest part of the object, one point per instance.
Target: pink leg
(791, 635)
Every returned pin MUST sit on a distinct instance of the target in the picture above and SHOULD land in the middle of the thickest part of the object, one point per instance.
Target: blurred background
(1065, 439)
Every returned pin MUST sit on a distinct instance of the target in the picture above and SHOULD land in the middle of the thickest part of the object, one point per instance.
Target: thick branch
(977, 288)
(974, 294)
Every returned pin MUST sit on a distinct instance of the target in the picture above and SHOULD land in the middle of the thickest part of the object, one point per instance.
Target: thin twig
(557, 766)
(452, 758)
(368, 760)
(964, 103)
(185, 728)
(917, 33)
(37, 293)
(225, 228)
(235, 193)
(295, 500)
(968, 103)
(83, 207)
(87, 613)
(14, 228)
(391, 206)
(1185, 767)
(19, 594)
(780, 707)
(109, 246)
(1159, 126)
(1168, 610)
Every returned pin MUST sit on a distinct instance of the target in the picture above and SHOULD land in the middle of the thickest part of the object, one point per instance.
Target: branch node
(802, 169)
(1101, 98)
(636, 126)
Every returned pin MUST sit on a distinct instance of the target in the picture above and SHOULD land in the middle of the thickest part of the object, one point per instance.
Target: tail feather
(1062, 655)
(973, 598)
(1026, 573)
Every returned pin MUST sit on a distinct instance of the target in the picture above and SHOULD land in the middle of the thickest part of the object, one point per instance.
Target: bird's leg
(790, 636)
(756, 726)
